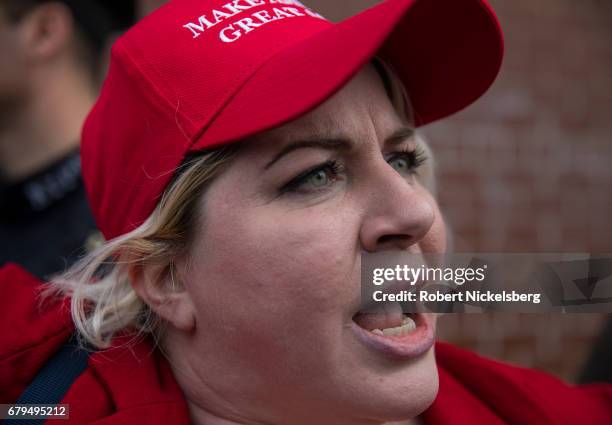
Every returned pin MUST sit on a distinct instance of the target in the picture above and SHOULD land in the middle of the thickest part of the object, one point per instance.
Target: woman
(240, 159)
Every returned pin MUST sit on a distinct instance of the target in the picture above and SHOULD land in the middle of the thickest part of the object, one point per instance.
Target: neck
(45, 125)
(200, 416)
(209, 407)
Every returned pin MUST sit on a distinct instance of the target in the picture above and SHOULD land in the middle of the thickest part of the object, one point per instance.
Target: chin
(407, 394)
(395, 392)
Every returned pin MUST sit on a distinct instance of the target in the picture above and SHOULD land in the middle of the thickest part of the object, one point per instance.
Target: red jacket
(136, 385)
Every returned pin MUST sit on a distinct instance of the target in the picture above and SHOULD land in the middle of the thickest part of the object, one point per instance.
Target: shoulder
(131, 382)
(476, 388)
(30, 331)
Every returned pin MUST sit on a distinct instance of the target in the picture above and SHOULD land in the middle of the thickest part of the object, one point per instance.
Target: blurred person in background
(144, 7)
(51, 67)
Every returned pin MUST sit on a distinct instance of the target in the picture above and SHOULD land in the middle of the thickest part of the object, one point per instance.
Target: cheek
(276, 263)
(275, 287)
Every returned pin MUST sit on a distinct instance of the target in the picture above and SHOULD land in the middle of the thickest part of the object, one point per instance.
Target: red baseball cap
(197, 74)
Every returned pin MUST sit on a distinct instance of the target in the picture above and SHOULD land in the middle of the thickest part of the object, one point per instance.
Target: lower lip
(410, 345)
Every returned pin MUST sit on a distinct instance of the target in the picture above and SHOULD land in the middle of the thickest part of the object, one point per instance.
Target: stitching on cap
(231, 87)
(237, 89)
(160, 98)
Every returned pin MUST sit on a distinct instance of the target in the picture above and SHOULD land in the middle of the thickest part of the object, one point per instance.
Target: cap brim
(446, 52)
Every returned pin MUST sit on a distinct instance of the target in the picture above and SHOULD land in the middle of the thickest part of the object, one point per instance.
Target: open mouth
(405, 327)
(391, 331)
(387, 320)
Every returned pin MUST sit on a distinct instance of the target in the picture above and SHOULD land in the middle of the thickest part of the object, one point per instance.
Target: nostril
(397, 239)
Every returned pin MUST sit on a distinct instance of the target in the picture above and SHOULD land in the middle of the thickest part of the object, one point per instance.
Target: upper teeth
(407, 326)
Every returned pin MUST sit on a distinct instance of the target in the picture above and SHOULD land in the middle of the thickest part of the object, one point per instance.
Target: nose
(399, 213)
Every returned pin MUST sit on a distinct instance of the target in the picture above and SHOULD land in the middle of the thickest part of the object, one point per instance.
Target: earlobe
(165, 294)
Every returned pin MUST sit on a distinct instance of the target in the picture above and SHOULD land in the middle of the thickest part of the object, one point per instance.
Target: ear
(162, 289)
(47, 31)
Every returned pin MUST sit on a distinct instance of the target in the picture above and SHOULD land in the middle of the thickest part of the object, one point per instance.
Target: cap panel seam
(159, 98)
(198, 122)
(234, 87)
(204, 122)
(228, 94)
(237, 86)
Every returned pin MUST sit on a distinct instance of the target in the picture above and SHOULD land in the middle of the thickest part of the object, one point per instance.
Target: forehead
(361, 108)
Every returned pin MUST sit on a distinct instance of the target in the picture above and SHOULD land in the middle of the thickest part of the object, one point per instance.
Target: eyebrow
(337, 144)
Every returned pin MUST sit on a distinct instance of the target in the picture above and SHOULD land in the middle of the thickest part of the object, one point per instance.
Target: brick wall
(528, 168)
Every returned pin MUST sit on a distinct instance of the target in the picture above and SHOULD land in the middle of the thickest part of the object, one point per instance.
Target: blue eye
(407, 162)
(401, 165)
(319, 179)
(314, 179)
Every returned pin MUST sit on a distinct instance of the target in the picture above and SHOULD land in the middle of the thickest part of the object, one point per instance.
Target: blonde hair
(102, 299)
